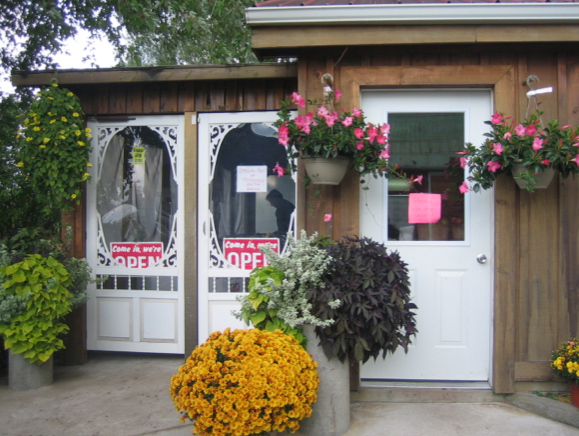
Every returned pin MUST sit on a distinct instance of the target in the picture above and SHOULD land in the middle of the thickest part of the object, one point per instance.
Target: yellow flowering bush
(55, 148)
(565, 361)
(246, 382)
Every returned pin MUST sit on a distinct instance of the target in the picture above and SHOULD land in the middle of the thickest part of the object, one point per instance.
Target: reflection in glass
(425, 146)
(266, 213)
(137, 191)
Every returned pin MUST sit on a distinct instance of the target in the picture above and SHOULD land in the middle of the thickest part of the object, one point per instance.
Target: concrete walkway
(128, 395)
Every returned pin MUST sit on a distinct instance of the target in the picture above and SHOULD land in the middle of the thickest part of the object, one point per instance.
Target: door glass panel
(425, 146)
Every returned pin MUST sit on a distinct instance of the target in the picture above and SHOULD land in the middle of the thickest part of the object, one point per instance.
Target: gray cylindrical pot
(24, 376)
(331, 415)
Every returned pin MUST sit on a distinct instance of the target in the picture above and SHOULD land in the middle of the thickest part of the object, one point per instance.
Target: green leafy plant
(376, 315)
(329, 133)
(278, 293)
(54, 148)
(42, 285)
(565, 361)
(536, 147)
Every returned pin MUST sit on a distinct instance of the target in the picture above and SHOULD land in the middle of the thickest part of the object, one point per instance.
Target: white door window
(441, 233)
(244, 203)
(134, 227)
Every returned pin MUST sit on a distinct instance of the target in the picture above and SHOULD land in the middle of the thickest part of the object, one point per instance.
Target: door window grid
(114, 282)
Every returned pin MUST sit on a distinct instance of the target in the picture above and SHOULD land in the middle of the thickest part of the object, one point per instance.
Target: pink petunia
(337, 94)
(372, 133)
(357, 112)
(463, 188)
(279, 170)
(331, 119)
(576, 159)
(358, 133)
(497, 118)
(303, 123)
(417, 179)
(463, 162)
(385, 129)
(360, 145)
(327, 217)
(381, 139)
(385, 154)
(498, 148)
(537, 144)
(493, 166)
(298, 99)
(347, 121)
(507, 135)
(323, 111)
(520, 130)
(546, 162)
(531, 129)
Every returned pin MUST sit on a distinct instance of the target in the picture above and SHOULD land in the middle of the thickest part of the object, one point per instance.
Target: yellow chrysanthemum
(73, 196)
(63, 119)
(20, 164)
(246, 382)
(81, 143)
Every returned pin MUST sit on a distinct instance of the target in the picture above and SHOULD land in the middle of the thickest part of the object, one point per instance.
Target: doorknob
(481, 258)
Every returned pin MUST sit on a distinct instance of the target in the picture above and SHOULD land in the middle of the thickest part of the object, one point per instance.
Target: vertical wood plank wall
(537, 280)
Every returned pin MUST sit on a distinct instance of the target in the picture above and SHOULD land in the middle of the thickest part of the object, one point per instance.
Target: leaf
(257, 317)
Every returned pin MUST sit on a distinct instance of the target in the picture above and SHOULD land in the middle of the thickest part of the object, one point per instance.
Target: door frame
(501, 79)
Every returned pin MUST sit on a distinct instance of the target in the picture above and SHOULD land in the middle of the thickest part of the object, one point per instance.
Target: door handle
(481, 258)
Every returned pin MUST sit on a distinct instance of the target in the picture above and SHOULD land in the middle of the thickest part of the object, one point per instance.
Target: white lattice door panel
(243, 203)
(135, 228)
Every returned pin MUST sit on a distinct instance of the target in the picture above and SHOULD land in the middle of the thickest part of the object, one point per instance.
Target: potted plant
(565, 363)
(246, 382)
(34, 298)
(332, 135)
(528, 151)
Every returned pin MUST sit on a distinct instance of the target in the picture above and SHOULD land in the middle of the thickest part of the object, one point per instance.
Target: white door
(443, 235)
(134, 236)
(243, 203)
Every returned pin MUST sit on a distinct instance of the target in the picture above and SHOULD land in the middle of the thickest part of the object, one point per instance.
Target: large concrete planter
(331, 416)
(24, 376)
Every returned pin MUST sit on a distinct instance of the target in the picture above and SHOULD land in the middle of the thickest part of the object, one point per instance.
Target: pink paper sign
(424, 208)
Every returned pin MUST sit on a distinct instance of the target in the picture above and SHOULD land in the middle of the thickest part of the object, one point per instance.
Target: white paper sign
(252, 178)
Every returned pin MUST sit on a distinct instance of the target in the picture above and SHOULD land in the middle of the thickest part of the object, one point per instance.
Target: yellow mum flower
(77, 132)
(85, 176)
(81, 143)
(73, 196)
(45, 140)
(88, 130)
(20, 164)
(29, 139)
(52, 121)
(63, 119)
(89, 164)
(69, 94)
(36, 129)
(42, 146)
(54, 85)
(75, 114)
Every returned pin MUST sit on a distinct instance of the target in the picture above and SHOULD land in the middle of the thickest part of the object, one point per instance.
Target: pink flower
(463, 162)
(327, 217)
(417, 179)
(497, 118)
(357, 112)
(331, 119)
(337, 94)
(347, 121)
(381, 139)
(385, 129)
(537, 144)
(498, 148)
(385, 154)
(565, 127)
(358, 133)
(372, 133)
(463, 188)
(322, 111)
(303, 123)
(360, 145)
(493, 166)
(531, 129)
(507, 135)
(462, 152)
(298, 99)
(278, 169)
(520, 130)
(576, 159)
(546, 162)
(282, 133)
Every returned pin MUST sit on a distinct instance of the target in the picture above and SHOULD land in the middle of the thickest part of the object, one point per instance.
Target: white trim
(435, 13)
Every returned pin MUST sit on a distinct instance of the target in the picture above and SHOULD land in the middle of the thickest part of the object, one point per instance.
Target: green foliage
(375, 315)
(278, 292)
(41, 283)
(54, 149)
(255, 310)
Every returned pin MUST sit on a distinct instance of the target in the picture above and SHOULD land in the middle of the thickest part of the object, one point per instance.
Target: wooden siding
(536, 301)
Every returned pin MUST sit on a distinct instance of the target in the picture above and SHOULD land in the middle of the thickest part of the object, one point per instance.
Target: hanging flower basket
(322, 171)
(543, 178)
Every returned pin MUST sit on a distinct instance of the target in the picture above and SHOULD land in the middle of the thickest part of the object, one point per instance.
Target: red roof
(271, 3)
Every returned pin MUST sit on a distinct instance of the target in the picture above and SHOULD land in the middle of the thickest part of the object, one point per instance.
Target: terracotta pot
(574, 394)
(326, 171)
(543, 179)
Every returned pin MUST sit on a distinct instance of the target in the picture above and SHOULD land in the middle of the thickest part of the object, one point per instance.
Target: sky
(71, 57)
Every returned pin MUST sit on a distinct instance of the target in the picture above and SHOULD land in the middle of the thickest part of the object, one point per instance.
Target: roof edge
(423, 13)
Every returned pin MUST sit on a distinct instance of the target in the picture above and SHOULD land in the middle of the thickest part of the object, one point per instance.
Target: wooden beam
(328, 36)
(156, 74)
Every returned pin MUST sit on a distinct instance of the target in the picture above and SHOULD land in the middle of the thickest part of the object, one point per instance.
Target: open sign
(245, 253)
(137, 254)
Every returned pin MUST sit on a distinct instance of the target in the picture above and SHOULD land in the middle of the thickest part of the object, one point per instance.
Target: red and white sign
(245, 253)
(137, 254)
